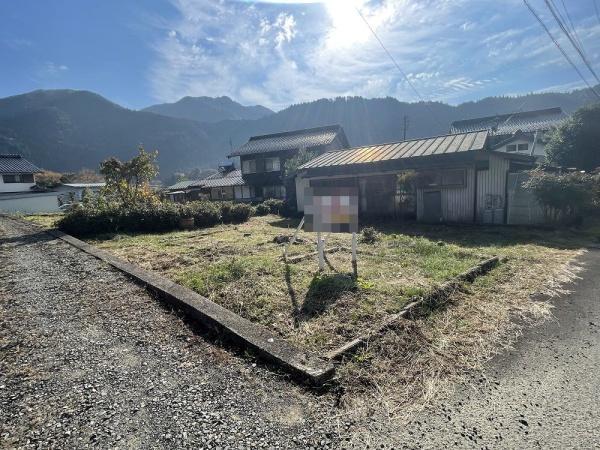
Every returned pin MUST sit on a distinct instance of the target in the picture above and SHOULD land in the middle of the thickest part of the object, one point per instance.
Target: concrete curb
(304, 365)
(436, 296)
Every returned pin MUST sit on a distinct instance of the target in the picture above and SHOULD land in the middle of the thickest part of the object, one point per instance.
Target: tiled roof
(183, 184)
(233, 178)
(16, 164)
(440, 145)
(292, 140)
(527, 121)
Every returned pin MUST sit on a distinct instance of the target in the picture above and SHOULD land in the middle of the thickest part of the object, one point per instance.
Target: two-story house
(522, 133)
(262, 158)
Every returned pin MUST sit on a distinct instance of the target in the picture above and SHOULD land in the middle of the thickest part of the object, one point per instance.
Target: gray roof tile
(291, 140)
(527, 121)
(16, 164)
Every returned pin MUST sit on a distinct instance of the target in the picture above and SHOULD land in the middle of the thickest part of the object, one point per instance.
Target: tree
(565, 196)
(129, 181)
(576, 142)
(291, 165)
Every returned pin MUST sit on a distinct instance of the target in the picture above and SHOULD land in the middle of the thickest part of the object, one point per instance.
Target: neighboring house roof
(184, 185)
(440, 145)
(527, 121)
(16, 164)
(501, 141)
(233, 178)
(292, 140)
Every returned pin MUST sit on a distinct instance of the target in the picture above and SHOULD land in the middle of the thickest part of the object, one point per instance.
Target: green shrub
(262, 209)
(236, 212)
(205, 214)
(88, 220)
(275, 206)
(369, 235)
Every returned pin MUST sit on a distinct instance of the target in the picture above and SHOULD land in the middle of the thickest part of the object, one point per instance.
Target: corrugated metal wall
(523, 207)
(491, 191)
(457, 202)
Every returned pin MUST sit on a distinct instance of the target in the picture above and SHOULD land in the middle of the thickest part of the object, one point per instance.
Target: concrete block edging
(303, 365)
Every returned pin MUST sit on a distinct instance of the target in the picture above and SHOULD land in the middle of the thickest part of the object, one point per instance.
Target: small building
(262, 158)
(16, 174)
(519, 132)
(457, 177)
(228, 185)
(184, 191)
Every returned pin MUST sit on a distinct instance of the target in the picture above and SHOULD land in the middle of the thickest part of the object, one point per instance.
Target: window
(249, 166)
(22, 178)
(511, 148)
(272, 165)
(277, 191)
(523, 147)
(453, 177)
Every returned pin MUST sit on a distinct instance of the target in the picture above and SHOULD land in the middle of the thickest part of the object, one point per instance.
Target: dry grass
(44, 220)
(418, 360)
(241, 268)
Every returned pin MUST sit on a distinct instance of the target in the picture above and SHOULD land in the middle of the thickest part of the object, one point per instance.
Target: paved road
(89, 359)
(543, 394)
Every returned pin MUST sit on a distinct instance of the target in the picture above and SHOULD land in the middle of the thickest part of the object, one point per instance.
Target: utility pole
(405, 120)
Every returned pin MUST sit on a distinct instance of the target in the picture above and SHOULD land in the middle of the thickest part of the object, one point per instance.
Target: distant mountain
(208, 109)
(378, 120)
(66, 130)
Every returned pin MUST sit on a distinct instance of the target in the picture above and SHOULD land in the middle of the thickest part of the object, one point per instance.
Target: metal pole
(320, 251)
(354, 263)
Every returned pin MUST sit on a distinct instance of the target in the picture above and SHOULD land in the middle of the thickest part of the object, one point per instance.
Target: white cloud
(277, 54)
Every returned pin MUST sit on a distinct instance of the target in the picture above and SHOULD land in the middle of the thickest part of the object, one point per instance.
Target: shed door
(432, 206)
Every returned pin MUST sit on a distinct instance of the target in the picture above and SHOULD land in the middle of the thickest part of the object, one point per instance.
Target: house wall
(14, 187)
(538, 150)
(522, 206)
(458, 202)
(491, 190)
(33, 203)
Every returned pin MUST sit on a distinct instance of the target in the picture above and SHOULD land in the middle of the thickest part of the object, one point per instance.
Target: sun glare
(347, 26)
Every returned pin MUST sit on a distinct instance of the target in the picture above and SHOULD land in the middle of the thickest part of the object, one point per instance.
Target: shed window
(453, 177)
(523, 147)
(272, 165)
(511, 148)
(249, 166)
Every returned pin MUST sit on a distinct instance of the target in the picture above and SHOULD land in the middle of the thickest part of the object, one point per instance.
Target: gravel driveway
(90, 359)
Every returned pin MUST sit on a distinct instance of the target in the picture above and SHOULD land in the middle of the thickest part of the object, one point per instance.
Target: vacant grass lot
(241, 268)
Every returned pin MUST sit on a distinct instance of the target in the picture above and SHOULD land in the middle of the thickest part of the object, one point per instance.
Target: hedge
(89, 220)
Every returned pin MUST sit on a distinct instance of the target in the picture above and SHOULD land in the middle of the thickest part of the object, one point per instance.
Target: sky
(140, 52)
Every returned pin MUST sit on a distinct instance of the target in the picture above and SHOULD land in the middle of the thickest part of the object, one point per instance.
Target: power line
(573, 29)
(397, 65)
(571, 40)
(535, 14)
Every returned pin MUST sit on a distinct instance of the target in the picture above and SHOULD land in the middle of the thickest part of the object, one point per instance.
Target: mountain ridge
(209, 109)
(66, 130)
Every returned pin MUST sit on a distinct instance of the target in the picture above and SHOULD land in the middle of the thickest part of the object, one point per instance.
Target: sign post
(330, 209)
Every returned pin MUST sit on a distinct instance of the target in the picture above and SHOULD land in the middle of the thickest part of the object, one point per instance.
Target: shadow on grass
(324, 290)
(473, 235)
(290, 223)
